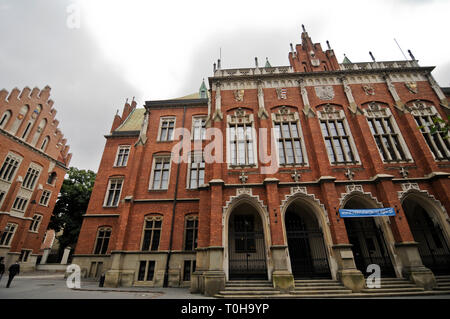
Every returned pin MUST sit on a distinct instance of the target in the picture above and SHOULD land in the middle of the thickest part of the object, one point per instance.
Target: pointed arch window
(241, 137)
(5, 119)
(424, 113)
(22, 113)
(386, 133)
(337, 136)
(45, 143)
(291, 146)
(39, 130)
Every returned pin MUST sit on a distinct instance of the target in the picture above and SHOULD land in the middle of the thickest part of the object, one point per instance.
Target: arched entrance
(246, 247)
(306, 244)
(433, 247)
(369, 245)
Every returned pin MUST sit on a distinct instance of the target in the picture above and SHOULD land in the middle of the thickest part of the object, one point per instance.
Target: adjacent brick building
(34, 159)
(343, 136)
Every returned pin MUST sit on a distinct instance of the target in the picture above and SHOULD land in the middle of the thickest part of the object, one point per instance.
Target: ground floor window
(24, 254)
(188, 269)
(146, 270)
(96, 269)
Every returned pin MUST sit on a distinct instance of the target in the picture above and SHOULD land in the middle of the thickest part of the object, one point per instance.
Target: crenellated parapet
(127, 109)
(29, 115)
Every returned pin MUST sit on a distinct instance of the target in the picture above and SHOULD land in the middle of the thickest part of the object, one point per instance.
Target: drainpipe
(166, 273)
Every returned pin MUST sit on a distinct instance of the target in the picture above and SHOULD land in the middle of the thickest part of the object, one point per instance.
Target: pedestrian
(2, 269)
(14, 269)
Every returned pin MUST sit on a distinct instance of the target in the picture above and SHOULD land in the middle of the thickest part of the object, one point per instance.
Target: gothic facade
(34, 159)
(274, 153)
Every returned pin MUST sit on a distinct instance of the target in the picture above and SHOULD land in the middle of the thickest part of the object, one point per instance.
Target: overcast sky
(163, 49)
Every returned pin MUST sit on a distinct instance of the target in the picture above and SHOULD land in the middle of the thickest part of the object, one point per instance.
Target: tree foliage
(439, 126)
(72, 203)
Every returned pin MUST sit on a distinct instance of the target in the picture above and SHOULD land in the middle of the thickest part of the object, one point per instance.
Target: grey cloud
(38, 49)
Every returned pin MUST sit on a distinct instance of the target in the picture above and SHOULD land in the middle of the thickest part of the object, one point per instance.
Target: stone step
(443, 277)
(248, 288)
(317, 284)
(248, 292)
(248, 281)
(443, 281)
(398, 285)
(249, 284)
(321, 292)
(315, 281)
(392, 290)
(312, 288)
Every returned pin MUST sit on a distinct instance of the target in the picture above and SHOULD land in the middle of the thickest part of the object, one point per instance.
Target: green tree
(72, 203)
(439, 126)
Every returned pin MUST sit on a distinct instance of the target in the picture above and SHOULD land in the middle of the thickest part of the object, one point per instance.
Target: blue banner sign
(375, 212)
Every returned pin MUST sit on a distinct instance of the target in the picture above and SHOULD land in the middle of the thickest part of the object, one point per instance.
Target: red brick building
(34, 159)
(343, 136)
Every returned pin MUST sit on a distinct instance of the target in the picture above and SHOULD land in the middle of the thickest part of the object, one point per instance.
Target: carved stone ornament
(239, 95)
(281, 93)
(368, 89)
(412, 87)
(325, 93)
(315, 62)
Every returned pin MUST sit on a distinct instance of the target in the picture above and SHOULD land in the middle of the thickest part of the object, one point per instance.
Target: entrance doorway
(433, 248)
(306, 245)
(369, 246)
(247, 251)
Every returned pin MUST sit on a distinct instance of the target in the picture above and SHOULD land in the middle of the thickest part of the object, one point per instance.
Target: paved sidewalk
(53, 286)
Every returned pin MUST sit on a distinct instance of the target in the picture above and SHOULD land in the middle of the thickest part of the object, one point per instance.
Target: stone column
(282, 278)
(65, 257)
(45, 256)
(214, 276)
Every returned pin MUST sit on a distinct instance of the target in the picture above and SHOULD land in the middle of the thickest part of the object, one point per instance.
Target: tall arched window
(39, 130)
(5, 118)
(22, 113)
(45, 143)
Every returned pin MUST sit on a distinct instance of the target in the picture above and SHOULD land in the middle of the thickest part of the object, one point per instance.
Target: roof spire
(371, 55)
(346, 59)
(267, 63)
(303, 27)
(411, 55)
(203, 90)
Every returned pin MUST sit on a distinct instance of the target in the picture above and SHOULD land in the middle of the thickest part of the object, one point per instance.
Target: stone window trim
(7, 235)
(164, 123)
(423, 112)
(285, 115)
(156, 226)
(191, 217)
(122, 156)
(10, 167)
(381, 111)
(32, 176)
(102, 240)
(241, 118)
(45, 198)
(20, 204)
(36, 223)
(6, 116)
(195, 157)
(149, 271)
(2, 196)
(164, 159)
(25, 254)
(115, 184)
(335, 113)
(202, 128)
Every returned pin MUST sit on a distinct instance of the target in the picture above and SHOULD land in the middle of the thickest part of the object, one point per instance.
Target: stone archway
(427, 222)
(246, 204)
(317, 212)
(371, 237)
